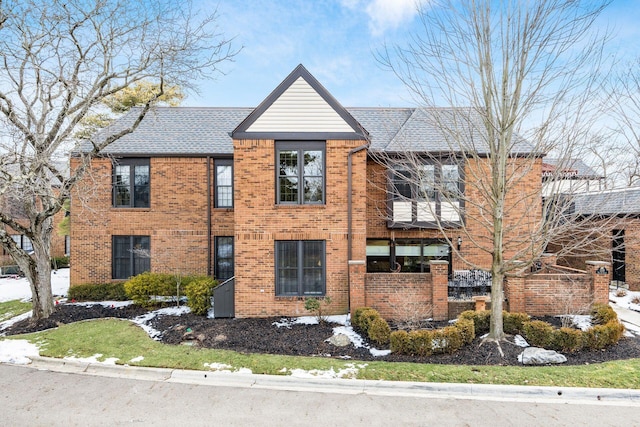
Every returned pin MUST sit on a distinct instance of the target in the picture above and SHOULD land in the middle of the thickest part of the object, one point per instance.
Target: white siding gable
(300, 109)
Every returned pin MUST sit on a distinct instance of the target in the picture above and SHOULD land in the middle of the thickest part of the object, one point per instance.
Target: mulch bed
(261, 336)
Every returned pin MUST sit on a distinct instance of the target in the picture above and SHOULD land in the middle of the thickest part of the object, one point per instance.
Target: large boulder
(340, 340)
(540, 356)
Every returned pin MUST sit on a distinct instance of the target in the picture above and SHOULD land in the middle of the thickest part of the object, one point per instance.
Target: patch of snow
(143, 319)
(350, 371)
(626, 301)
(581, 321)
(112, 304)
(358, 342)
(4, 325)
(287, 322)
(520, 341)
(137, 359)
(93, 359)
(223, 367)
(17, 351)
(379, 353)
(12, 289)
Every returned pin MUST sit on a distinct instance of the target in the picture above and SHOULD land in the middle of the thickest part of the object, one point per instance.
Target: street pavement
(55, 392)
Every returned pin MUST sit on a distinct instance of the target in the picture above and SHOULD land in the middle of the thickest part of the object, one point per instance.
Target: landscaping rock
(540, 356)
(340, 340)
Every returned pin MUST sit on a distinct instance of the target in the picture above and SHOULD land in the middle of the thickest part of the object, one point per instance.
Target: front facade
(289, 200)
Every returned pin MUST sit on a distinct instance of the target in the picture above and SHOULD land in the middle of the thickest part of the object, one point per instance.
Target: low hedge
(101, 292)
(372, 324)
(143, 288)
(425, 342)
(606, 330)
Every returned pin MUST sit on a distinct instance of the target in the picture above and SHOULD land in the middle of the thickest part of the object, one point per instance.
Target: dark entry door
(618, 255)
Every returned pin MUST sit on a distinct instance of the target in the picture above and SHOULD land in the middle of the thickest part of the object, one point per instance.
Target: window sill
(300, 206)
(297, 297)
(113, 208)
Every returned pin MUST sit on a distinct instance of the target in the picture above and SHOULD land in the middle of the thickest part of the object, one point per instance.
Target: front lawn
(129, 344)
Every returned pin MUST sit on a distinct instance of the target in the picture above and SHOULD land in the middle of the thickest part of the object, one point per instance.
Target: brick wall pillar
(549, 259)
(440, 295)
(514, 293)
(357, 270)
(600, 273)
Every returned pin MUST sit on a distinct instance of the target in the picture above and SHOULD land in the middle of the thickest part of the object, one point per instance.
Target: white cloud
(390, 14)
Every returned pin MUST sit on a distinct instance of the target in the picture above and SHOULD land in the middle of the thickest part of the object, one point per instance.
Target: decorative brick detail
(600, 274)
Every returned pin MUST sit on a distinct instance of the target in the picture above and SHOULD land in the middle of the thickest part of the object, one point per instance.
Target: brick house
(287, 199)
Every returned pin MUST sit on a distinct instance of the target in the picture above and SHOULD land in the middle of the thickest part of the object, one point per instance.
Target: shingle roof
(177, 130)
(582, 170)
(206, 130)
(613, 202)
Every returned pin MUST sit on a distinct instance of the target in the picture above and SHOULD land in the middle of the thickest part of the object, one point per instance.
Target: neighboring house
(618, 213)
(286, 199)
(568, 176)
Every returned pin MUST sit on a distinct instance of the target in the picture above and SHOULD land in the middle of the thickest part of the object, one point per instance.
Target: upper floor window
(300, 172)
(224, 184)
(425, 195)
(131, 183)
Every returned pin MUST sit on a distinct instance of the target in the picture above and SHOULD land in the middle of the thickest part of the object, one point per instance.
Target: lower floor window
(131, 256)
(300, 268)
(404, 255)
(224, 258)
(23, 242)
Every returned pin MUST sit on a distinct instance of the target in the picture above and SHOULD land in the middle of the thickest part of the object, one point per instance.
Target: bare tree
(521, 79)
(59, 61)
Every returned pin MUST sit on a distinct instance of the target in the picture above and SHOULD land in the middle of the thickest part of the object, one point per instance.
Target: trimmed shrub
(601, 314)
(513, 322)
(379, 331)
(357, 314)
(480, 320)
(399, 342)
(467, 330)
(366, 318)
(199, 294)
(567, 339)
(101, 292)
(600, 336)
(450, 339)
(538, 333)
(420, 343)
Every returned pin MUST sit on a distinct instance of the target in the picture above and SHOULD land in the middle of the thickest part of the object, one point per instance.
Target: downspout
(350, 214)
(208, 216)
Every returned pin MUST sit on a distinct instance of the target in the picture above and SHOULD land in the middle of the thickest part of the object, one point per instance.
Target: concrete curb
(602, 396)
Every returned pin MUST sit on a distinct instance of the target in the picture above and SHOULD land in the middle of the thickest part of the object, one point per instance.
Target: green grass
(124, 340)
(13, 308)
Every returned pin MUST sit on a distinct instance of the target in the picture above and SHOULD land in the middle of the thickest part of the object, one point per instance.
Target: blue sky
(336, 40)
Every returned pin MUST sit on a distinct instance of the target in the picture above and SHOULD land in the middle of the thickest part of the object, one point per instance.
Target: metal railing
(465, 284)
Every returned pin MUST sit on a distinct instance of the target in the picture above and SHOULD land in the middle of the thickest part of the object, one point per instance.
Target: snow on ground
(167, 311)
(12, 289)
(625, 299)
(17, 351)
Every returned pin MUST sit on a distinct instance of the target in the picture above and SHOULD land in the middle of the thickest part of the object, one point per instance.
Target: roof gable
(300, 107)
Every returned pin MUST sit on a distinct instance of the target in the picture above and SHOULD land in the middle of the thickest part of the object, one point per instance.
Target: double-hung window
(426, 194)
(224, 184)
(300, 268)
(131, 183)
(131, 256)
(300, 173)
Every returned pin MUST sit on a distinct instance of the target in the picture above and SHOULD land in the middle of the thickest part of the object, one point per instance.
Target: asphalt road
(32, 397)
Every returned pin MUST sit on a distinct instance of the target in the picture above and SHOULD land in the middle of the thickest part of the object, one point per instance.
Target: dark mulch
(261, 336)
